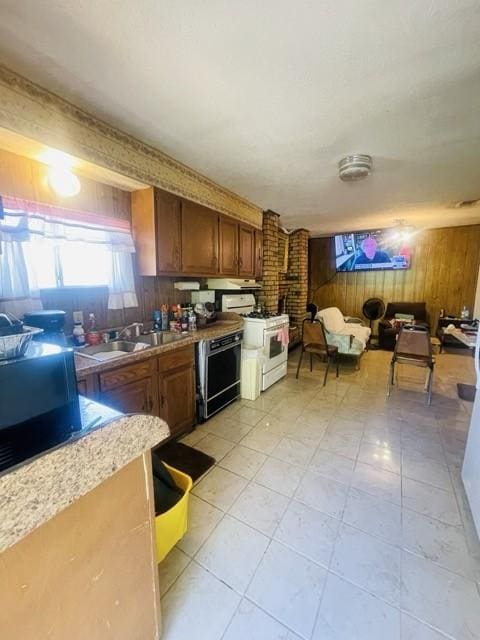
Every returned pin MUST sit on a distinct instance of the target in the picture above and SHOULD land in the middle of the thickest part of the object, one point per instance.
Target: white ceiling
(266, 97)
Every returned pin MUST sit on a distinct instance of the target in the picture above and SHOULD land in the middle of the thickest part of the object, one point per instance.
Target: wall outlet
(78, 316)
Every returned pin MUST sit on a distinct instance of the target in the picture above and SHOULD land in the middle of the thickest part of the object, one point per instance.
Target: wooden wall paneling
(25, 178)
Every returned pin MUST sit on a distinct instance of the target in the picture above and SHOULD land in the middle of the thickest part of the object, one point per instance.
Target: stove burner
(262, 315)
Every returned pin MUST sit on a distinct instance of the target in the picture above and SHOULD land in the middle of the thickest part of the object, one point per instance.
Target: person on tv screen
(371, 254)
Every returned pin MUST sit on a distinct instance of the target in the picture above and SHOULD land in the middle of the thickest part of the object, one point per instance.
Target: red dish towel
(283, 336)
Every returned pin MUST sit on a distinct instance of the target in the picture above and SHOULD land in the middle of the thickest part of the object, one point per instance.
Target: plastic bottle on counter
(164, 315)
(78, 334)
(92, 336)
(192, 320)
(157, 320)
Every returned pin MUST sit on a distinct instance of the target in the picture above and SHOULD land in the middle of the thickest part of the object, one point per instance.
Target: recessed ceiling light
(355, 167)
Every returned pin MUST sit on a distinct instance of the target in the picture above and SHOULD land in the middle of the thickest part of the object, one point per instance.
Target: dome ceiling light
(354, 167)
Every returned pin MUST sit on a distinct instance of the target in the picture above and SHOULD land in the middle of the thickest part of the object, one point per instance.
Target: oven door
(275, 352)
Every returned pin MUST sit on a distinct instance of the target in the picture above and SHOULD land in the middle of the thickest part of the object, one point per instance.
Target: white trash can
(251, 375)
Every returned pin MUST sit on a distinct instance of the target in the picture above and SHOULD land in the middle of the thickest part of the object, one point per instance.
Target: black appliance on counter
(218, 373)
(51, 321)
(39, 405)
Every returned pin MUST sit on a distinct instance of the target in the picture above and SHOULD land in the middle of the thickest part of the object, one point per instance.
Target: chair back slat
(314, 333)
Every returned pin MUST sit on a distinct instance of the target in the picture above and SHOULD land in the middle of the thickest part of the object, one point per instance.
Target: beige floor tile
(348, 612)
(214, 446)
(346, 445)
(251, 623)
(308, 531)
(442, 543)
(440, 598)
(378, 482)
(220, 488)
(288, 587)
(228, 428)
(170, 568)
(202, 519)
(260, 440)
(243, 461)
(322, 493)
(380, 456)
(233, 553)
(260, 508)
(433, 502)
(279, 476)
(293, 452)
(197, 601)
(415, 630)
(249, 416)
(332, 465)
(374, 516)
(417, 467)
(368, 562)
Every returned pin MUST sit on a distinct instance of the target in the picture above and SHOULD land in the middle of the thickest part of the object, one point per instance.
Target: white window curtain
(35, 238)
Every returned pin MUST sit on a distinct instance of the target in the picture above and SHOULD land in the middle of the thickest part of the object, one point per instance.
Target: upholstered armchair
(388, 330)
(348, 334)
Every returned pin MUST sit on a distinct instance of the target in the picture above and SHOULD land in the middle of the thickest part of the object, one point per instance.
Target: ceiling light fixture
(355, 167)
(63, 182)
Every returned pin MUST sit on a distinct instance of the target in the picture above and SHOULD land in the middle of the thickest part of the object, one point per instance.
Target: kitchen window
(43, 246)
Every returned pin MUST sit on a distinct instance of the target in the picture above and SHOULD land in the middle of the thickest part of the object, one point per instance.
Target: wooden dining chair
(314, 342)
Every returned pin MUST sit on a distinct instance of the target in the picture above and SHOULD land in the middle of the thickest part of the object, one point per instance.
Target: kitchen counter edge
(228, 324)
(36, 492)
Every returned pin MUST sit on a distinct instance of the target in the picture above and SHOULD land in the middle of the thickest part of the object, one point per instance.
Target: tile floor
(333, 513)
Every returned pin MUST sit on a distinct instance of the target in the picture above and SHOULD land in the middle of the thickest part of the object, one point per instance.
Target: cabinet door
(246, 258)
(168, 232)
(258, 254)
(199, 239)
(135, 397)
(228, 245)
(177, 399)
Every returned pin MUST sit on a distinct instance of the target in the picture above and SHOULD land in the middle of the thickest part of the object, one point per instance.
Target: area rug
(184, 458)
(466, 391)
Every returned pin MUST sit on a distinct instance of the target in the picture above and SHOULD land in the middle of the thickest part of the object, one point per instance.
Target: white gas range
(268, 331)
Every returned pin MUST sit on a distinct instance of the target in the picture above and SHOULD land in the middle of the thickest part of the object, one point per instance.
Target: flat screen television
(384, 250)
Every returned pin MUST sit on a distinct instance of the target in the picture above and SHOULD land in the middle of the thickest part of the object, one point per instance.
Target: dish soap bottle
(92, 336)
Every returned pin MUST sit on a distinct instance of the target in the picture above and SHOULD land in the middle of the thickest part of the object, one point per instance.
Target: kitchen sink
(111, 350)
(157, 339)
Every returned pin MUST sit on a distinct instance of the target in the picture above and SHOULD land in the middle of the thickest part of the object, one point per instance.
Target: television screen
(385, 249)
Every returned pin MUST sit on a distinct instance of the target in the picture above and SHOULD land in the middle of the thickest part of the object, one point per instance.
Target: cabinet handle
(240, 262)
(162, 401)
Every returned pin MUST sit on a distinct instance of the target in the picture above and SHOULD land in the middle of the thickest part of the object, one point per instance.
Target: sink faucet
(136, 326)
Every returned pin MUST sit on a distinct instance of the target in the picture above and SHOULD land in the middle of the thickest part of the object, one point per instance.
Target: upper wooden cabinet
(168, 232)
(228, 246)
(157, 230)
(199, 239)
(174, 236)
(246, 254)
(258, 253)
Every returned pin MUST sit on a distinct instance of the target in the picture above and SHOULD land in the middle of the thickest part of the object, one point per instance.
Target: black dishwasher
(218, 373)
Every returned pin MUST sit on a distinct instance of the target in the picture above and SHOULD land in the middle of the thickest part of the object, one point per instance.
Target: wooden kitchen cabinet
(140, 396)
(131, 389)
(177, 389)
(168, 232)
(228, 246)
(157, 231)
(246, 253)
(199, 239)
(258, 254)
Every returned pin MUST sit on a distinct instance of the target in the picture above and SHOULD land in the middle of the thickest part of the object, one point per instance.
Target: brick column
(297, 275)
(268, 297)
